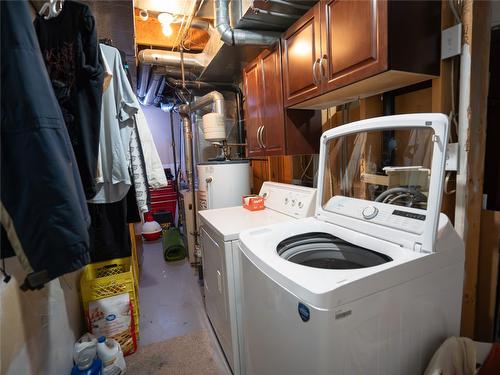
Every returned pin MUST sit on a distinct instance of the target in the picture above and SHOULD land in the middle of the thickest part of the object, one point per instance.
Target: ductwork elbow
(232, 36)
(213, 97)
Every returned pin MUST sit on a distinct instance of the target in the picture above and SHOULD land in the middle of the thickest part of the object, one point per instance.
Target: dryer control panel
(292, 200)
(398, 217)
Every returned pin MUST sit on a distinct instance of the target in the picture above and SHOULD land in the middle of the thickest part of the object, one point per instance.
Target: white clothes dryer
(219, 231)
(372, 284)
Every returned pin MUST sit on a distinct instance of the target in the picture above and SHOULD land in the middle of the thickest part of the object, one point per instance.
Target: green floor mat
(173, 245)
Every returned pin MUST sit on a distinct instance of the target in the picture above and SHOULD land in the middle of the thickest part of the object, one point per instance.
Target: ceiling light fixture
(166, 29)
(166, 20)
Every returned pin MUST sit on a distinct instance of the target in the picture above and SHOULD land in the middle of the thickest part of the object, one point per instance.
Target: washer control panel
(398, 217)
(292, 200)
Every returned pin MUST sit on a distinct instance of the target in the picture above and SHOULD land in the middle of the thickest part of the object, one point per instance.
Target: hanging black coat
(44, 214)
(71, 52)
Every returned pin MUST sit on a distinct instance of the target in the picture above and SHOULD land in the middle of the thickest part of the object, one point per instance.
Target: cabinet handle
(262, 136)
(258, 136)
(324, 58)
(315, 79)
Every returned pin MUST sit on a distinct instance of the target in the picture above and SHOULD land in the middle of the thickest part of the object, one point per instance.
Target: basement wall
(38, 328)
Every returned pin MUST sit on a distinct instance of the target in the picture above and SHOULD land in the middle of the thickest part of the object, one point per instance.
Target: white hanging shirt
(154, 167)
(119, 105)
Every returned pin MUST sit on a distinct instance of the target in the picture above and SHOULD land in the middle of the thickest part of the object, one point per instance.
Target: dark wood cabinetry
(264, 104)
(354, 41)
(271, 129)
(366, 47)
(252, 82)
(301, 56)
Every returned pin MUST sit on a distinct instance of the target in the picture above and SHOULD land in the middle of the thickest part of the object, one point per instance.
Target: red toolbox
(164, 199)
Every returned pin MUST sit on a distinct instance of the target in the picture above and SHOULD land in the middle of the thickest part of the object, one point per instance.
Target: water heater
(222, 184)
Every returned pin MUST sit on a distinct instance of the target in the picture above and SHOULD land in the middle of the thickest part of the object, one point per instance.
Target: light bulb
(166, 29)
(165, 18)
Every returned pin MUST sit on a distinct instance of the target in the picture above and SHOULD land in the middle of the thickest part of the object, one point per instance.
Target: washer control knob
(370, 212)
(286, 200)
(301, 204)
(293, 202)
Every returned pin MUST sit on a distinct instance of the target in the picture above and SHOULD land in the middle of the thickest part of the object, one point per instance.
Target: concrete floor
(171, 303)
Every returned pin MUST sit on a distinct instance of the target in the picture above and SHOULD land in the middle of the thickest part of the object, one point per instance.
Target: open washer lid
(384, 177)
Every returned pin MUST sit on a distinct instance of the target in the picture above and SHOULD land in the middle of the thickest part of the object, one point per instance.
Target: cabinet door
(252, 80)
(273, 131)
(354, 41)
(301, 53)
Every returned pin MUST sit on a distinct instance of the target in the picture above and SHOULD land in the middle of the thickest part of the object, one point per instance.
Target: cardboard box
(253, 202)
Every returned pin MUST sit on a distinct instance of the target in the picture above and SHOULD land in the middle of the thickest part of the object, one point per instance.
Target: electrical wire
(304, 170)
(454, 10)
(446, 182)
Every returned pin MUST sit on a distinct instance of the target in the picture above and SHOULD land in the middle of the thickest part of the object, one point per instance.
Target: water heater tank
(222, 184)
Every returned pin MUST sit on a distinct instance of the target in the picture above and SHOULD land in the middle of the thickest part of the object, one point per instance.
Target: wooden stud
(488, 277)
(472, 135)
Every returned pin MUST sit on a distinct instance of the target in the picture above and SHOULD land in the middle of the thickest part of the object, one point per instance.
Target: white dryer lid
(384, 177)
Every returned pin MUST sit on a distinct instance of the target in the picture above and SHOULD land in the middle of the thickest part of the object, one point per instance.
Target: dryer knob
(370, 212)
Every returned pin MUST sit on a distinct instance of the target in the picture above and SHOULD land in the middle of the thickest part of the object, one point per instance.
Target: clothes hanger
(106, 41)
(53, 7)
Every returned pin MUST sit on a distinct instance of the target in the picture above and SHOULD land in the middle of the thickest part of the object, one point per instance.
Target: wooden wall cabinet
(301, 56)
(355, 49)
(271, 129)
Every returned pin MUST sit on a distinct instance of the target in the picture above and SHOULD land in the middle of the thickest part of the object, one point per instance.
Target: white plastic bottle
(84, 351)
(111, 355)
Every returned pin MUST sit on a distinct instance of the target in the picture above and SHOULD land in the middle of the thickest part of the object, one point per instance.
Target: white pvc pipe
(463, 139)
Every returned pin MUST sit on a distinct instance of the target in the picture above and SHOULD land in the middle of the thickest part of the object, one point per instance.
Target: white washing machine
(372, 284)
(220, 254)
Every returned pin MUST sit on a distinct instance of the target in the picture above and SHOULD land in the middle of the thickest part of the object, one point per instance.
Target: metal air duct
(144, 72)
(170, 58)
(152, 89)
(237, 36)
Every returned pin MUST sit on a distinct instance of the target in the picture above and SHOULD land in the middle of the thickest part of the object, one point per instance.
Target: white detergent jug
(110, 353)
(85, 351)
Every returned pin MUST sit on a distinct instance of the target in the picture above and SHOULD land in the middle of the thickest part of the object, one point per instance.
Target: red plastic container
(151, 230)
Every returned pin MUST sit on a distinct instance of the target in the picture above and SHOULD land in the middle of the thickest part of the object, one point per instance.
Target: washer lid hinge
(417, 246)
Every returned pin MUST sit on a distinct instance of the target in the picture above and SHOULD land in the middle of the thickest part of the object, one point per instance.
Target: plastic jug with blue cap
(110, 353)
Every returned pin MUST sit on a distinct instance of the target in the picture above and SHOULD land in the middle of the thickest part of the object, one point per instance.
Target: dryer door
(323, 250)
